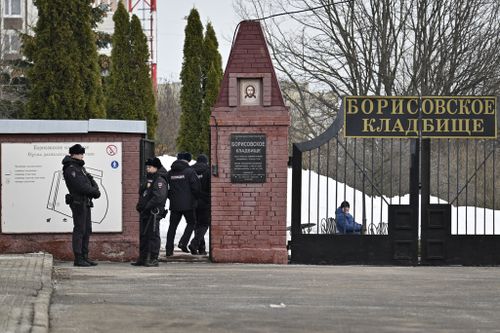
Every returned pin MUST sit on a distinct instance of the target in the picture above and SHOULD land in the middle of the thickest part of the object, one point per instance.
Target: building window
(12, 7)
(12, 42)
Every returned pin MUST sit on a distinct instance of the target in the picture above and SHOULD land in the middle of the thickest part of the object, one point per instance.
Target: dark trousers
(202, 225)
(175, 218)
(149, 237)
(82, 228)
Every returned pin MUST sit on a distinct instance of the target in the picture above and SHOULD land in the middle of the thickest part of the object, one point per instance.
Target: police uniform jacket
(153, 193)
(184, 186)
(203, 172)
(81, 185)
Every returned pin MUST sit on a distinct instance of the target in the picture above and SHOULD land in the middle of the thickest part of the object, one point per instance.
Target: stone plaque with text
(248, 158)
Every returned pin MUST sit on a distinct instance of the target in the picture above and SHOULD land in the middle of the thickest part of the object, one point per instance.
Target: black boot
(139, 262)
(80, 261)
(91, 262)
(183, 248)
(151, 261)
(193, 249)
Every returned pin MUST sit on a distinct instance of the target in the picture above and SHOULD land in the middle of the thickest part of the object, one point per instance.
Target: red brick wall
(249, 220)
(104, 246)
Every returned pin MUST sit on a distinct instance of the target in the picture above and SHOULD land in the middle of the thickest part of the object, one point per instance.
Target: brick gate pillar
(249, 155)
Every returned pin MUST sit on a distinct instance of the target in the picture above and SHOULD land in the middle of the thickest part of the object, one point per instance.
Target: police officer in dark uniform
(202, 169)
(82, 189)
(151, 206)
(184, 188)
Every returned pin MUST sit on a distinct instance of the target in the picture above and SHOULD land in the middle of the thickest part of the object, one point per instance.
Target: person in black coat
(151, 206)
(202, 169)
(82, 189)
(184, 189)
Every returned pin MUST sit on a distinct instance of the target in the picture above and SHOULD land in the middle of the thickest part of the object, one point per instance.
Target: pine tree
(64, 77)
(191, 96)
(143, 96)
(120, 87)
(211, 80)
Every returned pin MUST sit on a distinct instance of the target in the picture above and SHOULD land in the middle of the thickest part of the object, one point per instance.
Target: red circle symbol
(111, 150)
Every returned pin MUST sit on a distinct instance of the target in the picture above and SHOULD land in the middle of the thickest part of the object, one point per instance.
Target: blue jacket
(345, 223)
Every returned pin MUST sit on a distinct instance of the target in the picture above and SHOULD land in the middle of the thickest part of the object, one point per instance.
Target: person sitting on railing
(345, 221)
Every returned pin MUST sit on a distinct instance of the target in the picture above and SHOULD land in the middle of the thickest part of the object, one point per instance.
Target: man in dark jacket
(82, 189)
(202, 169)
(151, 206)
(184, 188)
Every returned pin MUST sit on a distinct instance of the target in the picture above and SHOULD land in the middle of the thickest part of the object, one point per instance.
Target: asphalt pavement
(206, 297)
(38, 295)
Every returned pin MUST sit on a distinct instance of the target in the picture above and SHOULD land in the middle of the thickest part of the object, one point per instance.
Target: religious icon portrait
(250, 92)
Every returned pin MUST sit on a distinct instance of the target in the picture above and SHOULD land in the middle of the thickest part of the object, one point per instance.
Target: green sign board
(434, 116)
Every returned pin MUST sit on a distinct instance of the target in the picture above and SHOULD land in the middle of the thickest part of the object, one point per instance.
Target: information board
(248, 158)
(33, 187)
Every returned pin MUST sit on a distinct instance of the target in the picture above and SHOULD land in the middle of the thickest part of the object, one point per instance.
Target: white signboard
(33, 187)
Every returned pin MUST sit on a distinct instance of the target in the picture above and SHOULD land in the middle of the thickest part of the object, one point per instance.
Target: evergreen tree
(64, 78)
(90, 72)
(120, 88)
(143, 95)
(191, 95)
(211, 80)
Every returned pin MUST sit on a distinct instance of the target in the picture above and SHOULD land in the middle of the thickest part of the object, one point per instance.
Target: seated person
(345, 222)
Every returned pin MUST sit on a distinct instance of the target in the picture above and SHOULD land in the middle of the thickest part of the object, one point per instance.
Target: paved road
(25, 289)
(202, 297)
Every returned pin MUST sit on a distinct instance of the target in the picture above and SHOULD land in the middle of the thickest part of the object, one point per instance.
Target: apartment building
(19, 16)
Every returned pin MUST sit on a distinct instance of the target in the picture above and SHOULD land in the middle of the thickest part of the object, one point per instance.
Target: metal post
(296, 192)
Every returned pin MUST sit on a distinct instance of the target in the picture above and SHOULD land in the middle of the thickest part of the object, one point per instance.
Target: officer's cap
(186, 156)
(154, 162)
(76, 149)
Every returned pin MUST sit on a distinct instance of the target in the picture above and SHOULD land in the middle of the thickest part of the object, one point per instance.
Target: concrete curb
(42, 303)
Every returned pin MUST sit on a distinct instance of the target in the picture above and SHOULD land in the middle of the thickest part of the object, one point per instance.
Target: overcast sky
(171, 23)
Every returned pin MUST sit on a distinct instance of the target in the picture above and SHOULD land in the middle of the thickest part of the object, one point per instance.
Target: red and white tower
(146, 11)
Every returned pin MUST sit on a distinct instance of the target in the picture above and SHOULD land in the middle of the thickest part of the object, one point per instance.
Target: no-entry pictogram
(111, 150)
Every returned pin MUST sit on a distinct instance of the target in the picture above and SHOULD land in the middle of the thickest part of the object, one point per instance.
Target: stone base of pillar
(251, 255)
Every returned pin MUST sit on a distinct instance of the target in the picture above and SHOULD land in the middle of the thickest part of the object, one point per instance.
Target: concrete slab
(202, 297)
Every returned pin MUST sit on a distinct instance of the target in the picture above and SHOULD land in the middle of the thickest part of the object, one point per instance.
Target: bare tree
(325, 49)
(382, 47)
(169, 110)
(13, 87)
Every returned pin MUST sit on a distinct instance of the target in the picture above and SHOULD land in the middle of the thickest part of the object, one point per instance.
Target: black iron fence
(463, 174)
(368, 173)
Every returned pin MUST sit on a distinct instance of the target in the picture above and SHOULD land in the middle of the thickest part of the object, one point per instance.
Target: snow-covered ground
(327, 209)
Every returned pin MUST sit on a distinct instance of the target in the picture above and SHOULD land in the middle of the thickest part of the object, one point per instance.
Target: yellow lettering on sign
(451, 109)
(398, 127)
(412, 106)
(427, 106)
(440, 106)
(352, 106)
(412, 126)
(442, 125)
(382, 103)
(397, 106)
(489, 106)
(427, 125)
(367, 106)
(476, 106)
(368, 125)
(463, 106)
(477, 125)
